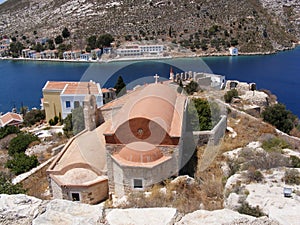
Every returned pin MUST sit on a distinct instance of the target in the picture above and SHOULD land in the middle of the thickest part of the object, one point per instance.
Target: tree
(65, 33)
(21, 163)
(4, 131)
(199, 115)
(34, 116)
(120, 87)
(91, 41)
(191, 87)
(104, 40)
(16, 48)
(74, 122)
(39, 47)
(51, 45)
(6, 187)
(58, 39)
(230, 95)
(280, 117)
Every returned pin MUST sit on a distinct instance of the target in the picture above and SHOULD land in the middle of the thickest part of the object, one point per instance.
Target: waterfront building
(49, 54)
(85, 56)
(96, 53)
(233, 51)
(140, 50)
(11, 119)
(4, 49)
(59, 97)
(73, 55)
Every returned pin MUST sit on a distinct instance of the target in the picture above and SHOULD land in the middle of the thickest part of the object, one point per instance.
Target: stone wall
(92, 194)
(213, 136)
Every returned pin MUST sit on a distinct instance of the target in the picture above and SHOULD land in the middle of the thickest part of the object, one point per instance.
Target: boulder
(19, 209)
(223, 216)
(149, 216)
(65, 212)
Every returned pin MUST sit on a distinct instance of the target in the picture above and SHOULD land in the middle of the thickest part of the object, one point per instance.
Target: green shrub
(274, 145)
(4, 131)
(280, 117)
(200, 117)
(22, 163)
(230, 95)
(20, 143)
(6, 187)
(191, 87)
(295, 161)
(245, 208)
(292, 177)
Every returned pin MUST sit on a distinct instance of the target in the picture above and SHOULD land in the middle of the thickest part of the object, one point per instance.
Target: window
(140, 132)
(137, 183)
(75, 197)
(68, 104)
(76, 104)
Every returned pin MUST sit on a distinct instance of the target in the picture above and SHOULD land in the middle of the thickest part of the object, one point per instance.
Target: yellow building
(51, 100)
(60, 97)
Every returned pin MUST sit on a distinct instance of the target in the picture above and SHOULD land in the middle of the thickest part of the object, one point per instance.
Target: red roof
(11, 119)
(66, 87)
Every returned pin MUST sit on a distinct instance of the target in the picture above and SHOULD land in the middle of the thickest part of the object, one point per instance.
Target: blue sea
(22, 81)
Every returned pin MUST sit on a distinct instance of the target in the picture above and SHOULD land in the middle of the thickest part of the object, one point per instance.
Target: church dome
(140, 152)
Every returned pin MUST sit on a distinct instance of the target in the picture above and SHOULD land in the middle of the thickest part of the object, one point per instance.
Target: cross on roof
(156, 77)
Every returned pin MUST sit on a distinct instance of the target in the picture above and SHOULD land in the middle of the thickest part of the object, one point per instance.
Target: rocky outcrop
(224, 216)
(151, 216)
(26, 210)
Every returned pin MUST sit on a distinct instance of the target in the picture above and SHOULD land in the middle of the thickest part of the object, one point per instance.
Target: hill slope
(197, 23)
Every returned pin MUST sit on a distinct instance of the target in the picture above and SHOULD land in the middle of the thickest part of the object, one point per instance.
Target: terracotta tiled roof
(66, 87)
(55, 85)
(157, 102)
(82, 88)
(10, 118)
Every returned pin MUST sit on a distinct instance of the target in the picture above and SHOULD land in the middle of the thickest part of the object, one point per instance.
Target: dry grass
(37, 184)
(187, 195)
(248, 129)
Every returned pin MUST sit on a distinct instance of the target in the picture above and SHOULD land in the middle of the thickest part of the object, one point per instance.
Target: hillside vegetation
(200, 25)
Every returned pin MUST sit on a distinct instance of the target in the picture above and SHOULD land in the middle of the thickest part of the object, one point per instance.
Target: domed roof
(140, 152)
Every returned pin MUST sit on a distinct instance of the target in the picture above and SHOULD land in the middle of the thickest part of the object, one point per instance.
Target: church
(128, 145)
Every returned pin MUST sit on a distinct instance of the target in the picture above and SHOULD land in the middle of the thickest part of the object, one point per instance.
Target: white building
(233, 51)
(59, 97)
(207, 80)
(139, 50)
(74, 93)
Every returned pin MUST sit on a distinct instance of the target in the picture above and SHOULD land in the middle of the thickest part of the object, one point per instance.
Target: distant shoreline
(192, 55)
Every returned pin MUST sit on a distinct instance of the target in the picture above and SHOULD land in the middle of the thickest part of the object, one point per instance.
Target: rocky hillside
(198, 24)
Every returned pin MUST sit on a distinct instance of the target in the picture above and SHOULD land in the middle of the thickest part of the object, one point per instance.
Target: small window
(68, 104)
(137, 183)
(76, 104)
(140, 132)
(75, 197)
